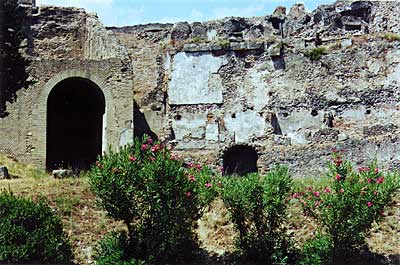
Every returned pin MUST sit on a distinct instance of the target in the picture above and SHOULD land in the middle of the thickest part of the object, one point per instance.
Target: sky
(133, 12)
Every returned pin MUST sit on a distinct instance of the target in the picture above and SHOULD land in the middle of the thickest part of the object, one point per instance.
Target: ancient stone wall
(66, 43)
(248, 81)
(206, 87)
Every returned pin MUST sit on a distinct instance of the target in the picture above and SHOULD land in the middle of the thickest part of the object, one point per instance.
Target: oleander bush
(257, 206)
(346, 209)
(155, 195)
(30, 232)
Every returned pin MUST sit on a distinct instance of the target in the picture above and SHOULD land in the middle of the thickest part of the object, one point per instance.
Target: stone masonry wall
(246, 81)
(207, 86)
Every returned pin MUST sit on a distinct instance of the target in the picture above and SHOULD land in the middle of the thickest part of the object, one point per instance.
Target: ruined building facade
(245, 93)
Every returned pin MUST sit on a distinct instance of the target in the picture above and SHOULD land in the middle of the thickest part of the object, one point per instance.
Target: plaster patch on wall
(245, 126)
(256, 88)
(126, 137)
(191, 126)
(212, 132)
(195, 79)
(296, 123)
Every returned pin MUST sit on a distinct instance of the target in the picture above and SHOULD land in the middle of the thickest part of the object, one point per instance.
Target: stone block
(63, 173)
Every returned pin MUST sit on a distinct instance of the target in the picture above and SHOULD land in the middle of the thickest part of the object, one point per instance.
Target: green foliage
(112, 251)
(198, 40)
(224, 43)
(257, 207)
(315, 53)
(391, 36)
(158, 199)
(30, 232)
(317, 251)
(354, 200)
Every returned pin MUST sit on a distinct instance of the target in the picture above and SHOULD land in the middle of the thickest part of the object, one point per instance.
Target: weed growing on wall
(158, 199)
(315, 53)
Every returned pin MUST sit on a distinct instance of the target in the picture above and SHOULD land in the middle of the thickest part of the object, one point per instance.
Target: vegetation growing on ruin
(315, 53)
(391, 36)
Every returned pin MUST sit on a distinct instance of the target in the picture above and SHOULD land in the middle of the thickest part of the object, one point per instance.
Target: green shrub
(224, 43)
(354, 200)
(317, 251)
(257, 207)
(391, 36)
(113, 249)
(157, 198)
(30, 231)
(315, 53)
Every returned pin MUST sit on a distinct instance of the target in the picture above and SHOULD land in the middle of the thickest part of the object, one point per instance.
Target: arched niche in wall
(240, 160)
(74, 133)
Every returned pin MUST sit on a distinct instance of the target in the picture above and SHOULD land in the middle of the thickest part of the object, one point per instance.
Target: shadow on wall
(141, 126)
(13, 31)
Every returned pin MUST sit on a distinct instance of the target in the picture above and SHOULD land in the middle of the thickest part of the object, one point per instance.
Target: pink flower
(327, 190)
(363, 169)
(221, 169)
(155, 148)
(296, 195)
(338, 177)
(192, 178)
(188, 194)
(316, 203)
(369, 204)
(376, 170)
(144, 147)
(208, 185)
(150, 141)
(316, 193)
(341, 190)
(309, 188)
(152, 159)
(198, 167)
(380, 180)
(375, 193)
(132, 158)
(175, 157)
(338, 162)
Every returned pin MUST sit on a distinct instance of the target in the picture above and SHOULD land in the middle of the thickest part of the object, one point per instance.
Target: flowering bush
(156, 197)
(257, 207)
(354, 200)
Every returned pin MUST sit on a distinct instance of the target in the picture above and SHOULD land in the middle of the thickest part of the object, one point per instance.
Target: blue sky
(132, 12)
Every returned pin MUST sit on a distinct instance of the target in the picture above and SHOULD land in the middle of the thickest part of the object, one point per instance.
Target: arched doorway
(240, 160)
(75, 108)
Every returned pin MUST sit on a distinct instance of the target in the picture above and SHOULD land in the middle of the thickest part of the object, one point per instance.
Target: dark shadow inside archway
(240, 160)
(75, 109)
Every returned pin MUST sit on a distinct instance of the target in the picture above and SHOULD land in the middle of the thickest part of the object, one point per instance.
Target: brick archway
(109, 135)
